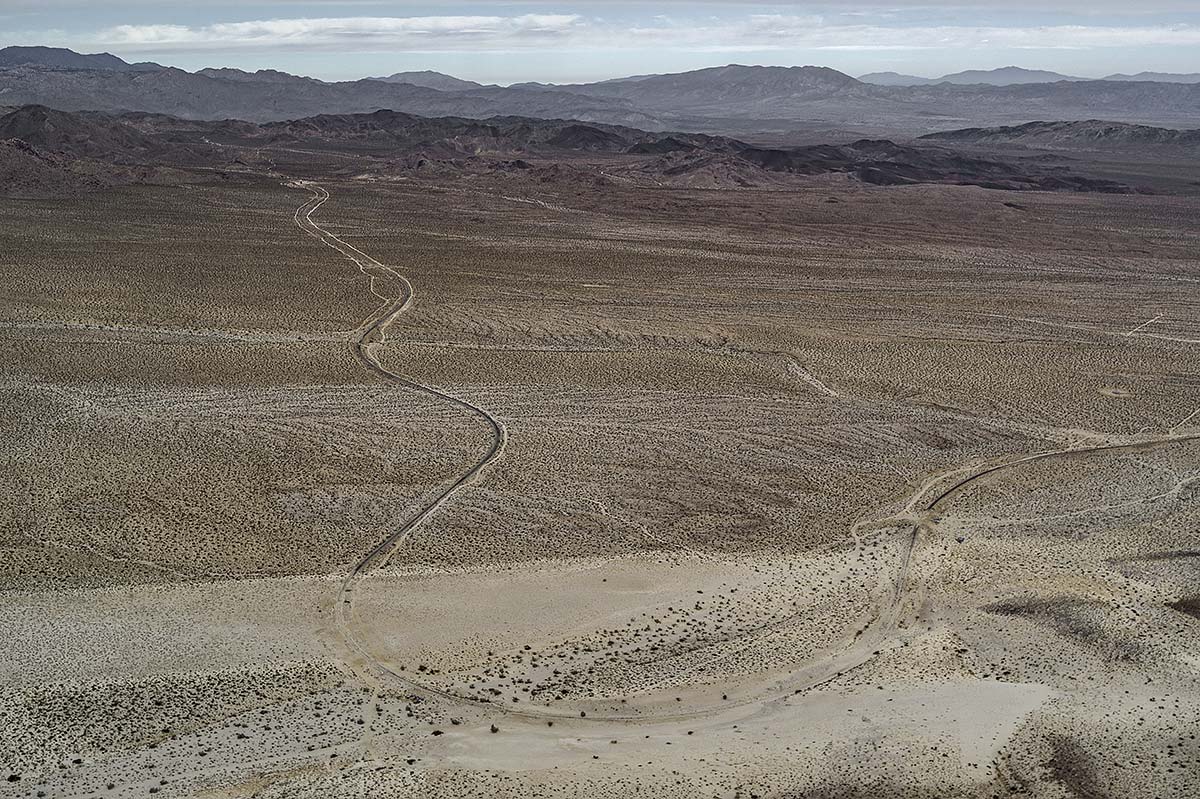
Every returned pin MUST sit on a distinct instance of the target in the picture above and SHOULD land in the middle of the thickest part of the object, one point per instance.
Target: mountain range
(1087, 134)
(1011, 76)
(733, 99)
(62, 58)
(433, 80)
(46, 150)
(1159, 77)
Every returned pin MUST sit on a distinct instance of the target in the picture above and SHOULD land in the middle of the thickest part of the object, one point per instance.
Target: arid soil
(327, 479)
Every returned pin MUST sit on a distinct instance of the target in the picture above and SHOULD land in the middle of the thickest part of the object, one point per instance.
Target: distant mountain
(431, 80)
(259, 76)
(733, 99)
(737, 99)
(1090, 134)
(268, 95)
(1004, 76)
(61, 58)
(895, 79)
(1159, 77)
(722, 91)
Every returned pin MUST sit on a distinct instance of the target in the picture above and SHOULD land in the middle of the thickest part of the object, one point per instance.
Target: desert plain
(333, 476)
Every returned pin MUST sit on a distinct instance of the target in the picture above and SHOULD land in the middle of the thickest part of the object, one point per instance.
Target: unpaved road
(886, 629)
(370, 335)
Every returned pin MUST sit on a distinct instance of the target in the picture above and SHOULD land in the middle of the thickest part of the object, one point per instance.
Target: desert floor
(323, 486)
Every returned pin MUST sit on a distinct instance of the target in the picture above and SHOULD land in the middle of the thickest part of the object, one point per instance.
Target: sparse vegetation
(895, 492)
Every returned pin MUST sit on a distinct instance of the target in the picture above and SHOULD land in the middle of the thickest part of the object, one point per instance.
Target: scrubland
(827, 491)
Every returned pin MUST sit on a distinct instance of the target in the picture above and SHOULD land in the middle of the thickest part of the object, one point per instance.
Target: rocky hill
(395, 140)
(1089, 134)
(79, 135)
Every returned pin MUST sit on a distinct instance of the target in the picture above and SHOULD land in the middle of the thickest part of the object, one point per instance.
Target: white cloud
(566, 32)
(452, 32)
(1124, 7)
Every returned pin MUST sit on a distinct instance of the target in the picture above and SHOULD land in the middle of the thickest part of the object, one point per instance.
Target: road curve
(372, 333)
(928, 509)
(364, 343)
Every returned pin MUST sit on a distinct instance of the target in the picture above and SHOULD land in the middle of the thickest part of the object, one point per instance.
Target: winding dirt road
(919, 512)
(365, 342)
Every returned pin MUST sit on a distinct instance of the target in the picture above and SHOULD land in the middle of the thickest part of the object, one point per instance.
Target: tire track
(365, 343)
(926, 511)
(372, 334)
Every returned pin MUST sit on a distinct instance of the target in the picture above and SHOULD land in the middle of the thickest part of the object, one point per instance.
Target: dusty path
(365, 342)
(925, 510)
(886, 629)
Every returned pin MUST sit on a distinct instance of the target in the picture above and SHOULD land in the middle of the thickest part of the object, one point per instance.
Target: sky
(569, 41)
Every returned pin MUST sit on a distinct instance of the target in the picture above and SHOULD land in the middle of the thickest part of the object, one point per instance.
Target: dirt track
(372, 335)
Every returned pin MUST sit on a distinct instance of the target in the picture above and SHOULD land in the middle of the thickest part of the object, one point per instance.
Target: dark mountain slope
(886, 163)
(75, 134)
(26, 171)
(62, 58)
(389, 141)
(1092, 133)
(698, 159)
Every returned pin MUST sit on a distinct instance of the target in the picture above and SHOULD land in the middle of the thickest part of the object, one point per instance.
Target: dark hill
(1092, 133)
(26, 171)
(587, 137)
(511, 145)
(501, 134)
(75, 134)
(883, 162)
(62, 58)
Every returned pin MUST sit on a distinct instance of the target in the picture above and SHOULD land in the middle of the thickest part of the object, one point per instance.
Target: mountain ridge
(734, 99)
(430, 79)
(1001, 76)
(1157, 77)
(146, 144)
(1093, 133)
(63, 58)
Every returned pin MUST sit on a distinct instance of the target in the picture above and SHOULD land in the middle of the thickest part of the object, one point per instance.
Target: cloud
(799, 31)
(789, 32)
(449, 32)
(1124, 7)
(741, 32)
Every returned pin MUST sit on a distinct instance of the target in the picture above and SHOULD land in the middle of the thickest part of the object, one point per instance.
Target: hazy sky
(564, 41)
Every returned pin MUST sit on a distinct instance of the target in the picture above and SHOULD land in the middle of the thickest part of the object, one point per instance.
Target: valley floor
(324, 485)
